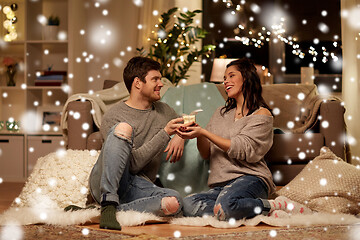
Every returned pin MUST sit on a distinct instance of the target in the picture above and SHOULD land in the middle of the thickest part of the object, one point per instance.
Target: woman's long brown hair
(251, 88)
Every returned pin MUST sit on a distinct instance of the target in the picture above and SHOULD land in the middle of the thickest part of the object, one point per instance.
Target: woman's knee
(234, 208)
(223, 209)
(188, 206)
(193, 206)
(219, 212)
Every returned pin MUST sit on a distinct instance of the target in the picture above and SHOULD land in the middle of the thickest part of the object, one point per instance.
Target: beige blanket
(297, 103)
(100, 101)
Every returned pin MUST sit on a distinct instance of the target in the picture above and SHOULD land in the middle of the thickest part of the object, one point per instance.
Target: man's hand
(175, 149)
(173, 125)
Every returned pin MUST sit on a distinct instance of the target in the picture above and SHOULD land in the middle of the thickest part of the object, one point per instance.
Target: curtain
(148, 20)
(350, 34)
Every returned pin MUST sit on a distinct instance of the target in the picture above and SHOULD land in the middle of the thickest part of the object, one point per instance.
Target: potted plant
(52, 28)
(11, 67)
(174, 44)
(53, 21)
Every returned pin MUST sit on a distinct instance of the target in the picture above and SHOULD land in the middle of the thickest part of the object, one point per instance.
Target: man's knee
(123, 130)
(170, 205)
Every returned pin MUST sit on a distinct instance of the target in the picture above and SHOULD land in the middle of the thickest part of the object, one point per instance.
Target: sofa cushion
(73, 131)
(109, 83)
(292, 104)
(294, 148)
(94, 141)
(284, 173)
(326, 184)
(190, 174)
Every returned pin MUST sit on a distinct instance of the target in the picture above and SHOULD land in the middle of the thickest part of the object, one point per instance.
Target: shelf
(19, 42)
(16, 88)
(47, 41)
(5, 132)
(45, 133)
(44, 87)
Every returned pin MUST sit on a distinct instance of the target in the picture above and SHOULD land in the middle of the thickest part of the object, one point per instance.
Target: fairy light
(278, 30)
(9, 22)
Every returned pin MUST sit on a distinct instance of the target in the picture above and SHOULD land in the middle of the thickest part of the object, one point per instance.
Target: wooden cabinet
(41, 145)
(12, 158)
(19, 153)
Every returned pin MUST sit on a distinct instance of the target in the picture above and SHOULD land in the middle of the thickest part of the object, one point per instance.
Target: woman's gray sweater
(251, 138)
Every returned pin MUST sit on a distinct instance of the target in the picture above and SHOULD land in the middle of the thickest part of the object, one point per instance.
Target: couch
(304, 122)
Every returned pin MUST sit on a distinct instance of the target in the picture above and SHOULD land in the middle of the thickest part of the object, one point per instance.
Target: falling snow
(177, 234)
(11, 231)
(230, 18)
(273, 233)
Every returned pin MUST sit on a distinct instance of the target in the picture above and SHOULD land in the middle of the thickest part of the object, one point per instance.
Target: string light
(9, 22)
(258, 38)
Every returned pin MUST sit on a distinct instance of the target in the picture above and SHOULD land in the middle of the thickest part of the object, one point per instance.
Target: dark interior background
(310, 10)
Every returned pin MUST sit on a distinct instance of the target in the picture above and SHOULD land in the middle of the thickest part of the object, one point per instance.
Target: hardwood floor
(169, 230)
(8, 192)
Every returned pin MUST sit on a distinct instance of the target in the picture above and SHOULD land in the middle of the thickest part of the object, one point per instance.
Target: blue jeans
(243, 197)
(111, 181)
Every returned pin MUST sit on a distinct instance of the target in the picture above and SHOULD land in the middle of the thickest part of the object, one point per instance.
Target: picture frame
(50, 115)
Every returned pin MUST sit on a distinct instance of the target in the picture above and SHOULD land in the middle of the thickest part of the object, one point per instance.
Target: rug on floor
(26, 216)
(38, 232)
(60, 179)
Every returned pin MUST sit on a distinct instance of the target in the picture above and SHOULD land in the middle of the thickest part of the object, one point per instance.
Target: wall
(351, 73)
(107, 36)
(112, 39)
(195, 69)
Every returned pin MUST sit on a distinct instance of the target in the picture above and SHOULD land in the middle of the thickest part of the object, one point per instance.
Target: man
(136, 133)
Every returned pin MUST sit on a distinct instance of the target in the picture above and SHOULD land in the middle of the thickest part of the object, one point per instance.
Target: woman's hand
(189, 131)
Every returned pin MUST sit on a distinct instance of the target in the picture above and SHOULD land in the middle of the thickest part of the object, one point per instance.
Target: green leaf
(162, 52)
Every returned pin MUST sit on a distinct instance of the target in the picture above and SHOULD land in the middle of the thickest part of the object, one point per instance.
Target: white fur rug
(26, 216)
(61, 178)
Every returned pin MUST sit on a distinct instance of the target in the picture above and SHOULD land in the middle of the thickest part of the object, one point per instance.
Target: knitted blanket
(60, 179)
(296, 103)
(100, 101)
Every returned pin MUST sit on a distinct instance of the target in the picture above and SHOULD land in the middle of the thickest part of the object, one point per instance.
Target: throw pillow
(326, 184)
(58, 180)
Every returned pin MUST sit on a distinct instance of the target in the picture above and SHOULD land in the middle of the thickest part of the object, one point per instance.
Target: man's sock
(72, 208)
(76, 208)
(108, 218)
(289, 206)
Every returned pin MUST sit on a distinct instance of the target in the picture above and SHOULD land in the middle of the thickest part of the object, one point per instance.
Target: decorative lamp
(8, 23)
(307, 75)
(218, 69)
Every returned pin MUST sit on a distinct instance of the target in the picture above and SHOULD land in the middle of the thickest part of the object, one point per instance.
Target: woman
(235, 141)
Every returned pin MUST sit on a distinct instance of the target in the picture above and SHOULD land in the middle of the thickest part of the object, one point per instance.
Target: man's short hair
(138, 67)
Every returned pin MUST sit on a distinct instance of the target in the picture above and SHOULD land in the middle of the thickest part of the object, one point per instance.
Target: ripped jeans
(243, 197)
(111, 181)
